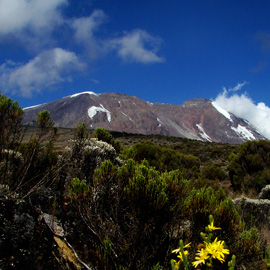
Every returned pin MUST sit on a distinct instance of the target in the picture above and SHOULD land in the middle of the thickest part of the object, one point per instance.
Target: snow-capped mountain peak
(199, 119)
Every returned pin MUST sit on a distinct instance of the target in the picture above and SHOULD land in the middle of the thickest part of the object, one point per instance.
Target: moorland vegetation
(126, 201)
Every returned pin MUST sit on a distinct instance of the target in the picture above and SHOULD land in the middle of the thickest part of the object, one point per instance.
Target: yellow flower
(178, 249)
(180, 256)
(187, 245)
(202, 256)
(211, 227)
(176, 264)
(221, 250)
(217, 250)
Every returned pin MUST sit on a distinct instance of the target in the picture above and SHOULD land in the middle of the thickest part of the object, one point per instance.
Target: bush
(11, 134)
(24, 167)
(78, 189)
(144, 212)
(248, 168)
(105, 172)
(84, 157)
(164, 159)
(147, 187)
(213, 172)
(105, 136)
(130, 215)
(11, 129)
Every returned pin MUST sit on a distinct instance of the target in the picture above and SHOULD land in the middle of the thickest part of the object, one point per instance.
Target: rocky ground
(40, 232)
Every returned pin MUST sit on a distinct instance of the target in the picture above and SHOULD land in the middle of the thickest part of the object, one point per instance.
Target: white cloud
(86, 26)
(138, 46)
(135, 46)
(242, 106)
(16, 15)
(32, 22)
(46, 70)
(85, 29)
(36, 24)
(238, 87)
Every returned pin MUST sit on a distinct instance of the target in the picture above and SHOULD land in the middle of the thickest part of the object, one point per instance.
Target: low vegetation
(126, 202)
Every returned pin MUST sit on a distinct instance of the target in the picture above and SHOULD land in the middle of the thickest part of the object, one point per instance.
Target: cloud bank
(242, 106)
(132, 47)
(17, 15)
(44, 71)
(38, 25)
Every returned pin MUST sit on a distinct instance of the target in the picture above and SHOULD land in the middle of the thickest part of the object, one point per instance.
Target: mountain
(198, 119)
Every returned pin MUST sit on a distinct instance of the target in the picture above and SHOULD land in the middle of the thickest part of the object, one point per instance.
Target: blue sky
(160, 51)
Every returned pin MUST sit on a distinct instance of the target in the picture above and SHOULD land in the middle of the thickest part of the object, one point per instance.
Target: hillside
(198, 119)
(80, 199)
(206, 151)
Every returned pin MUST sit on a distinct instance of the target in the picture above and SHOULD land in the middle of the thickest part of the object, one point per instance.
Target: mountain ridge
(199, 118)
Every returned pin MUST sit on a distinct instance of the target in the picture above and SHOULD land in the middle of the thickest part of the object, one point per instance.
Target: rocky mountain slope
(199, 119)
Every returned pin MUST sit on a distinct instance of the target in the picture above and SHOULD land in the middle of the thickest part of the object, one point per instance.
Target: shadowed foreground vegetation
(95, 200)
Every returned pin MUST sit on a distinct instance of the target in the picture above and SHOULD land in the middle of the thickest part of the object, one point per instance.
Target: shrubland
(98, 205)
(249, 167)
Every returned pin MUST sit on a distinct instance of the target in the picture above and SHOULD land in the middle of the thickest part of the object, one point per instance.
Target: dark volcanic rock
(25, 241)
(28, 239)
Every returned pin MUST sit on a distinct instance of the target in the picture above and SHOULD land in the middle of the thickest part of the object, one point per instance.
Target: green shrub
(147, 186)
(163, 159)
(248, 168)
(85, 156)
(36, 165)
(267, 257)
(11, 134)
(11, 129)
(102, 135)
(78, 189)
(213, 172)
(199, 204)
(248, 246)
(144, 213)
(81, 132)
(106, 171)
(106, 252)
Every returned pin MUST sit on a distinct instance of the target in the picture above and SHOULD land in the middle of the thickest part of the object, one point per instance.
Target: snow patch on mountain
(222, 111)
(160, 122)
(83, 93)
(244, 132)
(31, 107)
(127, 116)
(203, 134)
(92, 111)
